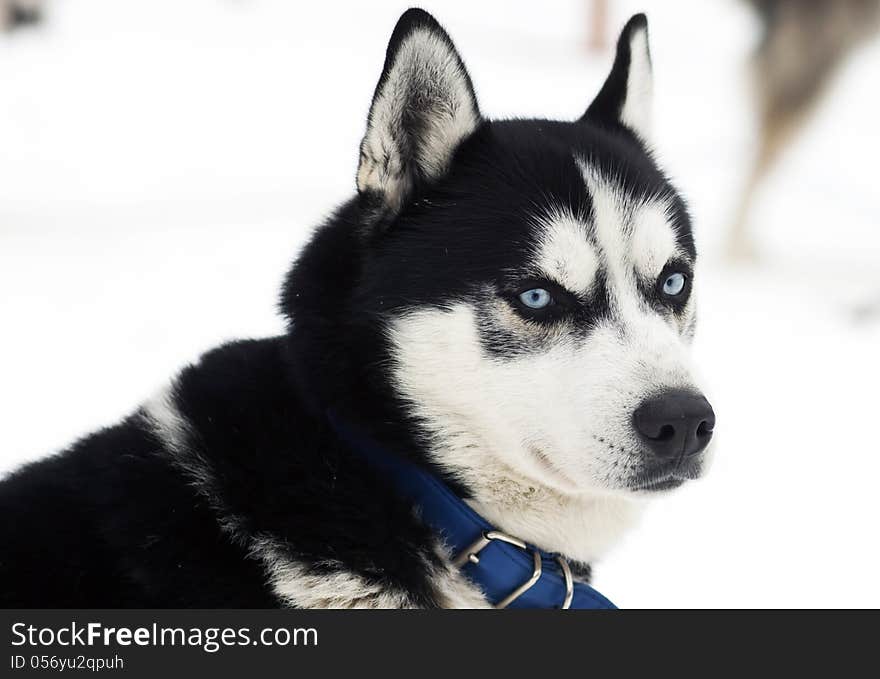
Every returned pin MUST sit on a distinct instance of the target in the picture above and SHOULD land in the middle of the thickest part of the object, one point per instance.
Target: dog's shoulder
(236, 392)
(327, 529)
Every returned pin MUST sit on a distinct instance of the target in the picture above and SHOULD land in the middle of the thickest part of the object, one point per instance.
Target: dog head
(533, 279)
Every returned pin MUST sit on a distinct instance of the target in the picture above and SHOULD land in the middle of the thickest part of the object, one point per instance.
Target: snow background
(161, 162)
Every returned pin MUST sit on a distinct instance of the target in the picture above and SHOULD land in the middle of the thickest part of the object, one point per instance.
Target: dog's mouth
(669, 478)
(659, 485)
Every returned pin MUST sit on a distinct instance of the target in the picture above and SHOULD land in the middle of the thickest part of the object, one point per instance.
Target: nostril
(666, 433)
(705, 429)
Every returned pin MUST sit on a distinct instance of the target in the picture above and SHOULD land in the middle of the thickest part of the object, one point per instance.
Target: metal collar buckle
(471, 554)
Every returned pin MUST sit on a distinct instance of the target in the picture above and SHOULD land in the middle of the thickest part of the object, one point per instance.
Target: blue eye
(674, 284)
(536, 298)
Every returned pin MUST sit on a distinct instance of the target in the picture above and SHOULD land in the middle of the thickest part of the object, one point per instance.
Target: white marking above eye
(653, 241)
(564, 252)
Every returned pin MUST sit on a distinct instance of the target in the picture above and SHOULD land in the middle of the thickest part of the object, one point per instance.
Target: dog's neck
(582, 527)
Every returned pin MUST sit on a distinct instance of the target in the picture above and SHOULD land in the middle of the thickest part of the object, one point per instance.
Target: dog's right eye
(674, 283)
(540, 300)
(536, 298)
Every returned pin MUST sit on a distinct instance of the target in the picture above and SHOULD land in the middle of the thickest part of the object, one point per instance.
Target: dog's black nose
(675, 423)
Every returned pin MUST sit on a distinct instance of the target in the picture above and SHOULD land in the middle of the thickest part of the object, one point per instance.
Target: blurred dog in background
(803, 44)
(16, 13)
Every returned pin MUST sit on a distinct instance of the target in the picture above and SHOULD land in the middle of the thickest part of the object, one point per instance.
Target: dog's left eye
(536, 298)
(674, 284)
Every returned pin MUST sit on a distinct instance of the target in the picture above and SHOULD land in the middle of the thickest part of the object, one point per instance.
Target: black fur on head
(457, 194)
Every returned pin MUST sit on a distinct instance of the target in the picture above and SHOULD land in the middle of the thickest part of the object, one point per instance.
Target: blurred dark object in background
(802, 45)
(597, 26)
(17, 13)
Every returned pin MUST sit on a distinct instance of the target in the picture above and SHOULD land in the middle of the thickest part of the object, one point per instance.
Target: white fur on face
(544, 437)
(653, 242)
(564, 253)
(426, 81)
(507, 428)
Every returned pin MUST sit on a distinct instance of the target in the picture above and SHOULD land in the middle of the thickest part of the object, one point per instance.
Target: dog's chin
(657, 481)
(657, 486)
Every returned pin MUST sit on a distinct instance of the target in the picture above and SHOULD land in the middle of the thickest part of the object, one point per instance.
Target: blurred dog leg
(16, 13)
(597, 25)
(803, 43)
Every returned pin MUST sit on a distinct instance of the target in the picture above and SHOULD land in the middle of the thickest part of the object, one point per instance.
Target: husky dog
(802, 46)
(17, 13)
(506, 305)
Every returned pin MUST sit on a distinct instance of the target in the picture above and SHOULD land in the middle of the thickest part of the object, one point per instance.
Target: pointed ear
(423, 108)
(627, 95)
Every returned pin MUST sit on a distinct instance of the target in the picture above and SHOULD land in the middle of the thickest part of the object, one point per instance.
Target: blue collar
(508, 571)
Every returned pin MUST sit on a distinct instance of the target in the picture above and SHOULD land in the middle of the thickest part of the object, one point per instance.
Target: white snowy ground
(161, 162)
